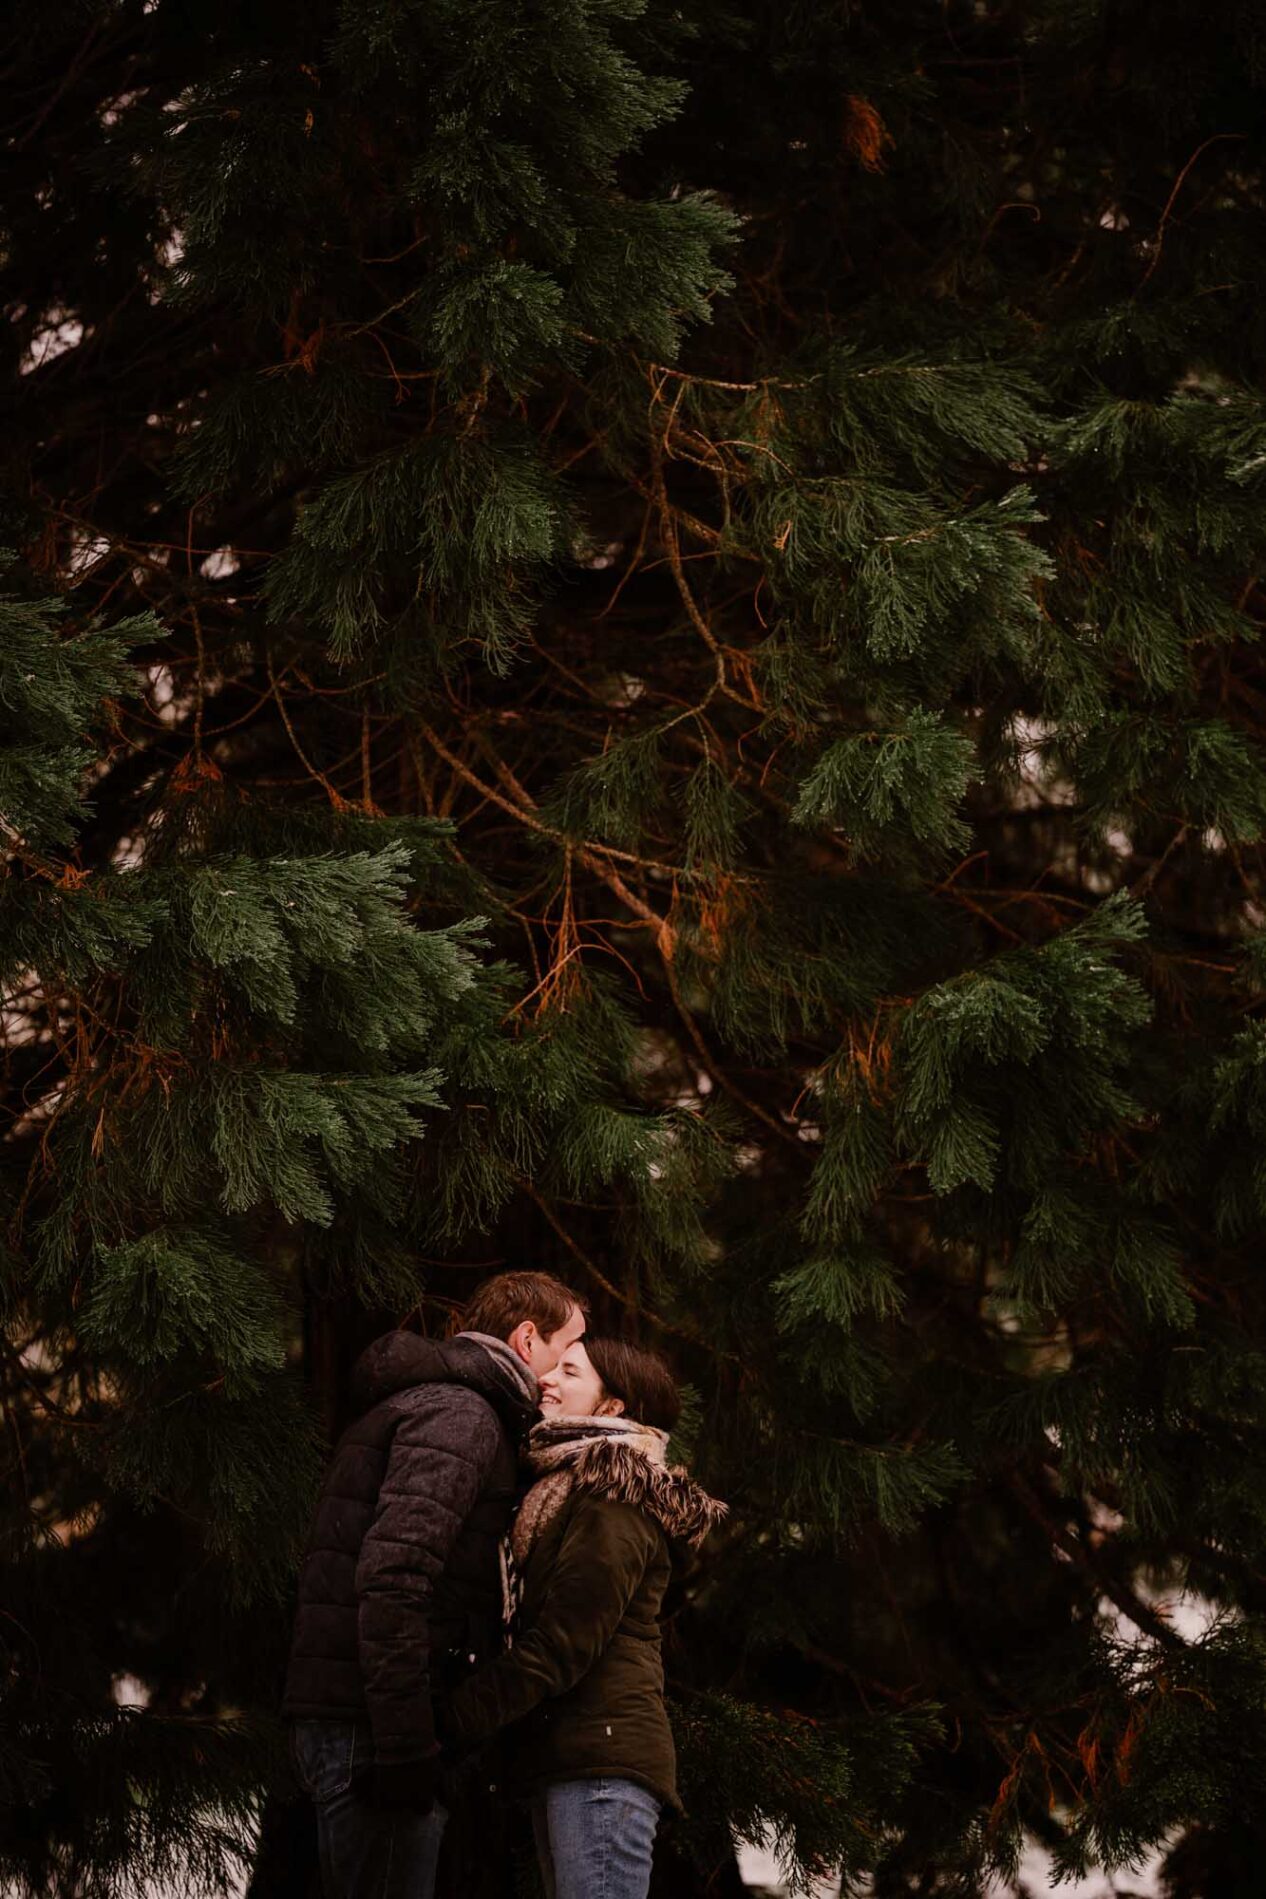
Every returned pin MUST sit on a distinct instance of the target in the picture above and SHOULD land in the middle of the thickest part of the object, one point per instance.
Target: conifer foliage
(632, 642)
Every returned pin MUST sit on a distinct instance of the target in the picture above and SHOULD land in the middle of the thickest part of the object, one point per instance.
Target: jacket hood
(620, 1473)
(399, 1361)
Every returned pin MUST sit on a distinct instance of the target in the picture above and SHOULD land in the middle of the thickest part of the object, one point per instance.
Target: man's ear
(522, 1340)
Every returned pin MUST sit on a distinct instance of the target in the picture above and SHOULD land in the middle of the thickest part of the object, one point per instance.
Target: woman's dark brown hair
(640, 1379)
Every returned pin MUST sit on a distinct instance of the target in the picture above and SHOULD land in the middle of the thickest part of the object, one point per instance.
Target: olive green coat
(581, 1693)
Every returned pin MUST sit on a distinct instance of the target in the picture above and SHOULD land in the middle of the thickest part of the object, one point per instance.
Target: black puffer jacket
(400, 1590)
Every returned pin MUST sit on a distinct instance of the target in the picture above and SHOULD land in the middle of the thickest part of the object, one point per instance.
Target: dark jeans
(595, 1838)
(366, 1852)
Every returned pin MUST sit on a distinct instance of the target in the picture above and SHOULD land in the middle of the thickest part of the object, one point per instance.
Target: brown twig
(1218, 138)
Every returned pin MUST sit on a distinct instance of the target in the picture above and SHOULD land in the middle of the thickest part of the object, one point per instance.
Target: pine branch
(1120, 1594)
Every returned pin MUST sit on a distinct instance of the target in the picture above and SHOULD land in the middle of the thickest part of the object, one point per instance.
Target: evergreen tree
(632, 644)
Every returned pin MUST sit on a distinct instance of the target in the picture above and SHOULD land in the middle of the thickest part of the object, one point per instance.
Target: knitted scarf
(614, 1458)
(514, 1373)
(555, 1449)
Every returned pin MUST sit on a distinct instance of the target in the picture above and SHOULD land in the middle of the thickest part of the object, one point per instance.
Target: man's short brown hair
(507, 1299)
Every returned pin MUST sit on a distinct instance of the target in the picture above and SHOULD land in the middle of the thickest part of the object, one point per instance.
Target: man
(400, 1591)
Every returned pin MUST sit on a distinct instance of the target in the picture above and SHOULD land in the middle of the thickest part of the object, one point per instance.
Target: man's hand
(405, 1786)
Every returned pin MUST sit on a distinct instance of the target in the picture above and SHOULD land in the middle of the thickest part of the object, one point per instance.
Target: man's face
(544, 1354)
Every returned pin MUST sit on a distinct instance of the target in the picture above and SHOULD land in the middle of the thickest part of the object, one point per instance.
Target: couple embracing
(434, 1614)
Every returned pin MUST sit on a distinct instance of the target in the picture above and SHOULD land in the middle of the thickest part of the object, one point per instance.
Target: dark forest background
(631, 644)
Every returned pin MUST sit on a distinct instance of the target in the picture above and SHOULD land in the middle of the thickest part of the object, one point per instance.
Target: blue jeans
(594, 1839)
(366, 1852)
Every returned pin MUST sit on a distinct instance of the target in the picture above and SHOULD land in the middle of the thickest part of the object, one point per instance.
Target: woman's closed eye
(573, 1386)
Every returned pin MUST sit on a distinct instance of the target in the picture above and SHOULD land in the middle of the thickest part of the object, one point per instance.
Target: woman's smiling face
(573, 1389)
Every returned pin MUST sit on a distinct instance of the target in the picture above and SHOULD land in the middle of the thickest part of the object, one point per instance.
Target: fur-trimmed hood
(621, 1461)
(668, 1494)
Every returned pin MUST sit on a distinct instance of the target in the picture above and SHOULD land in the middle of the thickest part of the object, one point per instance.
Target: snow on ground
(1191, 1616)
(760, 1871)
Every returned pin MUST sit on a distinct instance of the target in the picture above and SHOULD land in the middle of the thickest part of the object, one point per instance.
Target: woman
(594, 1544)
